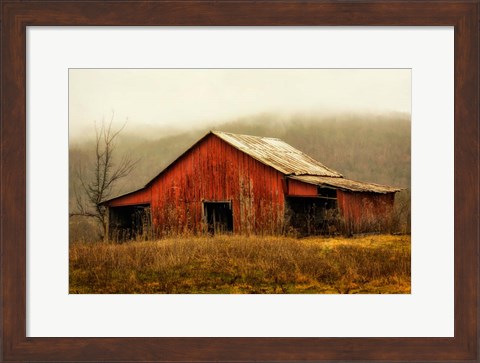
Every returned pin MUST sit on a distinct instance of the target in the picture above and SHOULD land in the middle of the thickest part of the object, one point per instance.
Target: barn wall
(215, 171)
(363, 211)
(298, 188)
(142, 196)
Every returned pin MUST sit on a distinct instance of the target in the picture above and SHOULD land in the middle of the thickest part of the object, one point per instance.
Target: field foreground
(245, 265)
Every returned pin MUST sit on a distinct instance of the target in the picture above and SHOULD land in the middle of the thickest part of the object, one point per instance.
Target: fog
(156, 103)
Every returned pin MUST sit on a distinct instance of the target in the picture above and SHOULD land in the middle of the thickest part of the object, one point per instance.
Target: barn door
(218, 217)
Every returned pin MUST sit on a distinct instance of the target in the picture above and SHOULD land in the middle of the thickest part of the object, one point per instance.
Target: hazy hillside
(366, 148)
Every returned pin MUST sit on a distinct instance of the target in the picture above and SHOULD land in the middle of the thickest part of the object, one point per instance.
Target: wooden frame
(16, 16)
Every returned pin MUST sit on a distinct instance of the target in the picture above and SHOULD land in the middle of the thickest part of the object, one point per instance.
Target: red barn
(247, 185)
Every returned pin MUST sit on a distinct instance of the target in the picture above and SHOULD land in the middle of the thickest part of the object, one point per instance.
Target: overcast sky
(189, 98)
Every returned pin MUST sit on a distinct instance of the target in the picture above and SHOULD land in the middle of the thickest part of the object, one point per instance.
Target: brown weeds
(239, 264)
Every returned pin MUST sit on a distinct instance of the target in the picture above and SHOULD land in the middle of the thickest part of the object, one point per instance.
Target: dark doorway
(218, 216)
(312, 215)
(129, 222)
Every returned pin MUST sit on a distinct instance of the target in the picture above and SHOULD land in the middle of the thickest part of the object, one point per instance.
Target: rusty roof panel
(346, 184)
(277, 154)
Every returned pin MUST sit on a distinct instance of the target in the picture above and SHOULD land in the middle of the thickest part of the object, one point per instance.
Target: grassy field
(243, 265)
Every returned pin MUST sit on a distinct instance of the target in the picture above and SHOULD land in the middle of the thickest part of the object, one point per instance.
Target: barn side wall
(363, 211)
(142, 196)
(298, 188)
(215, 171)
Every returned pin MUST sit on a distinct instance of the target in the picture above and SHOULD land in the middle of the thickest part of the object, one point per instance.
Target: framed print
(60, 59)
(94, 298)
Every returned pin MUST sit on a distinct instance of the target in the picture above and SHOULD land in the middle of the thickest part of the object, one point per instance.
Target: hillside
(374, 149)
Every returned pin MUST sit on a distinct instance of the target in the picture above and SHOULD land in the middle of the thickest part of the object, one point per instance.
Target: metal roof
(277, 154)
(345, 184)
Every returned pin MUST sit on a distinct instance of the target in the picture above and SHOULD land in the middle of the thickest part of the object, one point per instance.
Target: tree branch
(104, 173)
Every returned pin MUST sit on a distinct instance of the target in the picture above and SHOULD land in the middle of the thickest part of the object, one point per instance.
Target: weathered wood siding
(213, 170)
(362, 210)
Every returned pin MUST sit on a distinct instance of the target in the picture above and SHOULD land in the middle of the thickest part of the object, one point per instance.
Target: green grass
(243, 265)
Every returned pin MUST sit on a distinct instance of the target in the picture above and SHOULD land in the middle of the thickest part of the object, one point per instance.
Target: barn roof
(277, 154)
(345, 184)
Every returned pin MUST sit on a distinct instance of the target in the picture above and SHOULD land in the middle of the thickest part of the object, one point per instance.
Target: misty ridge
(364, 147)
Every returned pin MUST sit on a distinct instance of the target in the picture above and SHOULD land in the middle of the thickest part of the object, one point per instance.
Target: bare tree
(98, 183)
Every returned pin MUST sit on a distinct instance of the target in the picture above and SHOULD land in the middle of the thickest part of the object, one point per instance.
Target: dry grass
(237, 264)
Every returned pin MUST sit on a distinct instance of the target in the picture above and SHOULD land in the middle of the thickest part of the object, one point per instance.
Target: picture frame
(17, 16)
